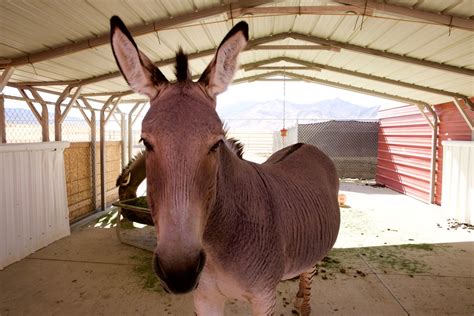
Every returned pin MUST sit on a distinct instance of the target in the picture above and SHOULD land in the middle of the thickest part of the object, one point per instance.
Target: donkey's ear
(221, 70)
(137, 69)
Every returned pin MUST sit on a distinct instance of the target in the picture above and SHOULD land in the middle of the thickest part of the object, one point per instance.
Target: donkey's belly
(309, 234)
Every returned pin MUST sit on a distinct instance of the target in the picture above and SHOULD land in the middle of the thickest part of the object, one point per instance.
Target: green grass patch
(426, 247)
(144, 271)
(401, 258)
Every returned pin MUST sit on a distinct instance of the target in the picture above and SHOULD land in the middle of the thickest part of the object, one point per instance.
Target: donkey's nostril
(157, 268)
(179, 276)
(201, 262)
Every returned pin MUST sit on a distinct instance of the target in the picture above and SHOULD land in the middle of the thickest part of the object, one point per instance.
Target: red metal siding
(404, 151)
(451, 127)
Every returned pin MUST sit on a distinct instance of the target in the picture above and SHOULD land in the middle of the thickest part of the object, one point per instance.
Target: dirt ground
(394, 256)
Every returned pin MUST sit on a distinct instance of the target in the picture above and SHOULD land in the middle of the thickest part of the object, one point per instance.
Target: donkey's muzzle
(179, 278)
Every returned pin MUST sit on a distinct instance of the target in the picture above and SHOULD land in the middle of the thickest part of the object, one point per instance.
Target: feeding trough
(135, 211)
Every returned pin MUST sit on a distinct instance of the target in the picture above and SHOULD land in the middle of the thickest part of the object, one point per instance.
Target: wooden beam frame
(131, 121)
(42, 118)
(3, 135)
(135, 31)
(115, 100)
(437, 18)
(4, 78)
(92, 124)
(59, 115)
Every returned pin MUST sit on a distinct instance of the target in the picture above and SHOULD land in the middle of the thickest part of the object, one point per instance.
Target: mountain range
(260, 116)
(269, 115)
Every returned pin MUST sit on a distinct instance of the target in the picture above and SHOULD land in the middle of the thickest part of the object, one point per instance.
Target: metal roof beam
(295, 47)
(268, 39)
(332, 84)
(256, 66)
(438, 18)
(384, 54)
(286, 68)
(302, 10)
(170, 61)
(135, 31)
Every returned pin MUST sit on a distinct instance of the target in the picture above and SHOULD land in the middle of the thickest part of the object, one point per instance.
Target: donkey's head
(183, 135)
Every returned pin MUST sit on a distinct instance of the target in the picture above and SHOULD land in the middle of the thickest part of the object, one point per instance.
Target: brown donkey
(226, 227)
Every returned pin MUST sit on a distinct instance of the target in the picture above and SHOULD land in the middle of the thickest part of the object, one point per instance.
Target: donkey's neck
(241, 195)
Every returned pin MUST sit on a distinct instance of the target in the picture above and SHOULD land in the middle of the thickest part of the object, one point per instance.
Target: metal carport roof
(414, 49)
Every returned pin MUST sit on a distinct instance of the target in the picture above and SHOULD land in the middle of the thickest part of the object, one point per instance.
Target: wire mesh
(22, 126)
(351, 144)
(75, 128)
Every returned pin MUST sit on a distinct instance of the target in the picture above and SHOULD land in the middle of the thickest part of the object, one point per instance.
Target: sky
(296, 92)
(262, 91)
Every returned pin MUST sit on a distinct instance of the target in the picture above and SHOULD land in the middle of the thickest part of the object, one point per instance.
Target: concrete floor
(394, 256)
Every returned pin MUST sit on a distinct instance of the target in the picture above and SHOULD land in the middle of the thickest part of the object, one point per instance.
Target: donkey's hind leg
(302, 302)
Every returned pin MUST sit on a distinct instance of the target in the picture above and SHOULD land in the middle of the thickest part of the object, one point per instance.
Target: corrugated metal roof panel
(46, 25)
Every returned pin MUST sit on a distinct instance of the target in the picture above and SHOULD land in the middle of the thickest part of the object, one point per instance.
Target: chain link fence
(21, 125)
(351, 144)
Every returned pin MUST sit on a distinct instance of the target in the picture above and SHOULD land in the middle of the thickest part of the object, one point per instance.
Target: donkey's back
(304, 187)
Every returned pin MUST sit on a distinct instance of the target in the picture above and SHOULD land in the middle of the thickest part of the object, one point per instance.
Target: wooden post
(130, 130)
(44, 114)
(123, 135)
(3, 136)
(103, 121)
(6, 75)
(57, 113)
(92, 124)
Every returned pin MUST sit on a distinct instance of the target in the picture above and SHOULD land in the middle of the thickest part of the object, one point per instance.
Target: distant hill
(268, 115)
(263, 116)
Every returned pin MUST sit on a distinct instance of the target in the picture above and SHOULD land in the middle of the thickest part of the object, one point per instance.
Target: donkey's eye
(146, 144)
(215, 146)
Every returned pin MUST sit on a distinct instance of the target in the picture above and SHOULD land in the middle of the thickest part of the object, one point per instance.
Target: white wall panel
(33, 198)
(458, 180)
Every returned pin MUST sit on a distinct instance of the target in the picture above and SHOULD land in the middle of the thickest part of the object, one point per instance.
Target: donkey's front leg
(207, 298)
(263, 303)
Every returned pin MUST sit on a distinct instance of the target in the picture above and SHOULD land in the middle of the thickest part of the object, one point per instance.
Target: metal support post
(434, 145)
(92, 125)
(123, 136)
(103, 121)
(130, 129)
(465, 116)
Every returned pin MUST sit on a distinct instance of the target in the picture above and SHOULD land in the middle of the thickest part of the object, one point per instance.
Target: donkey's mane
(182, 72)
(235, 145)
(128, 167)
